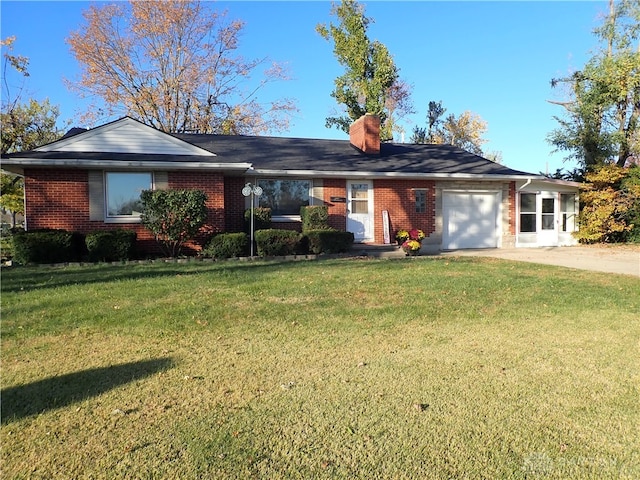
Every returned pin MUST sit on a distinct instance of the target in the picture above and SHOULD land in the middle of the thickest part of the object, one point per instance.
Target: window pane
(421, 201)
(527, 222)
(547, 221)
(568, 222)
(284, 197)
(123, 192)
(568, 202)
(548, 205)
(527, 202)
(359, 206)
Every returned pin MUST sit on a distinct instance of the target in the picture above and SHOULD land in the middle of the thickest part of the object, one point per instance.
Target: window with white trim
(527, 213)
(122, 193)
(284, 197)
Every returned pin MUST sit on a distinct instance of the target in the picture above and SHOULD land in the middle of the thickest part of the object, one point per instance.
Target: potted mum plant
(402, 236)
(412, 240)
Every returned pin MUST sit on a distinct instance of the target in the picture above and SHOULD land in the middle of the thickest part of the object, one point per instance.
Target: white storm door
(360, 210)
(470, 220)
(548, 231)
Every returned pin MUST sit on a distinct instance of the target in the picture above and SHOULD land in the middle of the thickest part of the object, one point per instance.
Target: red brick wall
(59, 198)
(398, 198)
(337, 211)
(234, 204)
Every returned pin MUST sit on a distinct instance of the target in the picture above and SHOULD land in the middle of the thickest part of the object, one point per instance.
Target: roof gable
(125, 136)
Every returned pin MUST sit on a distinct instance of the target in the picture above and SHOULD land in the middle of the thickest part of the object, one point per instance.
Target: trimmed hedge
(111, 245)
(261, 218)
(47, 246)
(227, 245)
(329, 241)
(274, 242)
(315, 217)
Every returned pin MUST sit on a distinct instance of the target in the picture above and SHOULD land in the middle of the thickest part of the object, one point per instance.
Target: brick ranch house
(91, 180)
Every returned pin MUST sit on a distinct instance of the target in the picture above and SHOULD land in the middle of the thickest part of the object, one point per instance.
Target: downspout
(526, 184)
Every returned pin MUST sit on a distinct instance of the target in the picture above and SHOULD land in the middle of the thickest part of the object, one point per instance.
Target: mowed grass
(345, 368)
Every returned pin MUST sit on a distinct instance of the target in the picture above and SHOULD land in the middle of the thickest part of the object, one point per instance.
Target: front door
(360, 210)
(548, 235)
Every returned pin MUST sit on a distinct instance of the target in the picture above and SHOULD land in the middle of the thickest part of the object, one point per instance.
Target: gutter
(383, 175)
(153, 165)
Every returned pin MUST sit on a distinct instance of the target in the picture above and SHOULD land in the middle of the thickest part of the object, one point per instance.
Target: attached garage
(470, 220)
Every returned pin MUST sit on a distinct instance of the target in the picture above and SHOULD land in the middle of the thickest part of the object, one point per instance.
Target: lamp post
(254, 191)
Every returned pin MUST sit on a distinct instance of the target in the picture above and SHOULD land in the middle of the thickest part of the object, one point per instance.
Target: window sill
(286, 218)
(123, 220)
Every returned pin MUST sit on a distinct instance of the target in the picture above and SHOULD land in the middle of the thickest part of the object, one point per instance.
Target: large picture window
(284, 197)
(123, 191)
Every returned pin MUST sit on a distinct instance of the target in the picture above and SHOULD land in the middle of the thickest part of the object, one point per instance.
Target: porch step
(377, 250)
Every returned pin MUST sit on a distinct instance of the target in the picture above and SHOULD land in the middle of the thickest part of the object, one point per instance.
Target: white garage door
(470, 220)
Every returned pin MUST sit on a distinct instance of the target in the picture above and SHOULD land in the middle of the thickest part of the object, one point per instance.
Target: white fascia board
(75, 163)
(385, 175)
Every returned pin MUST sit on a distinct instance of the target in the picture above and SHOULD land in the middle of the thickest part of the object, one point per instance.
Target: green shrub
(314, 217)
(227, 245)
(173, 216)
(46, 246)
(261, 218)
(273, 242)
(329, 241)
(111, 245)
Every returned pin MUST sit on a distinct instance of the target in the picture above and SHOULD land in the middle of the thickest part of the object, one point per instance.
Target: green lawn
(347, 368)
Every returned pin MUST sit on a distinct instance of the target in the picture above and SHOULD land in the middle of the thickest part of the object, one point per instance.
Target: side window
(122, 194)
(527, 212)
(421, 201)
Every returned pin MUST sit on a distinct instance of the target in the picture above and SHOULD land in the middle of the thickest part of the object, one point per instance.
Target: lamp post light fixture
(254, 191)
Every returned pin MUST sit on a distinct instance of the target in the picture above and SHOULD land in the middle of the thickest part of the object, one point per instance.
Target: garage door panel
(470, 220)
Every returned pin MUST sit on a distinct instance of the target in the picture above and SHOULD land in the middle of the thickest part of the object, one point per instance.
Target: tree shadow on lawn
(36, 278)
(37, 397)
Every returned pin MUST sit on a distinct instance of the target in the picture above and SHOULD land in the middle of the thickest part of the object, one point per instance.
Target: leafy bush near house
(173, 216)
(111, 245)
(261, 218)
(610, 201)
(315, 217)
(274, 242)
(329, 241)
(227, 245)
(47, 246)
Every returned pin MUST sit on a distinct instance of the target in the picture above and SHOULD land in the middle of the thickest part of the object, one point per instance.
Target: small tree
(173, 216)
(607, 206)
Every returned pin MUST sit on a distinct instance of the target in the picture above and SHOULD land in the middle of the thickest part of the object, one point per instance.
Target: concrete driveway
(623, 259)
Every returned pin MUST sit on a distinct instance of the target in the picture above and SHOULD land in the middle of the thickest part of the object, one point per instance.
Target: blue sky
(493, 58)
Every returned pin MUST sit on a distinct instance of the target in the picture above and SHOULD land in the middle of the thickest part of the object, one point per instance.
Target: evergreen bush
(46, 246)
(227, 245)
(261, 218)
(328, 241)
(315, 217)
(111, 245)
(274, 242)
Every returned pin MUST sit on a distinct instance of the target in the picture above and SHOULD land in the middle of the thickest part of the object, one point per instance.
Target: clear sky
(493, 58)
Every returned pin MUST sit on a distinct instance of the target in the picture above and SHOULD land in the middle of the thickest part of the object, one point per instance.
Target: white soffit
(125, 136)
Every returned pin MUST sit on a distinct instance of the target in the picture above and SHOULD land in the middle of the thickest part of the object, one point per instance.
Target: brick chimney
(364, 134)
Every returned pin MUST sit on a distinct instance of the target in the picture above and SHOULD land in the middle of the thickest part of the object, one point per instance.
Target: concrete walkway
(623, 259)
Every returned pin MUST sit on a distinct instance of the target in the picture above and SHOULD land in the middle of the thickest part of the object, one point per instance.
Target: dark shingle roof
(278, 153)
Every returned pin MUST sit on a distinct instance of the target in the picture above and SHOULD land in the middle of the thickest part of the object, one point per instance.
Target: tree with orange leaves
(174, 65)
